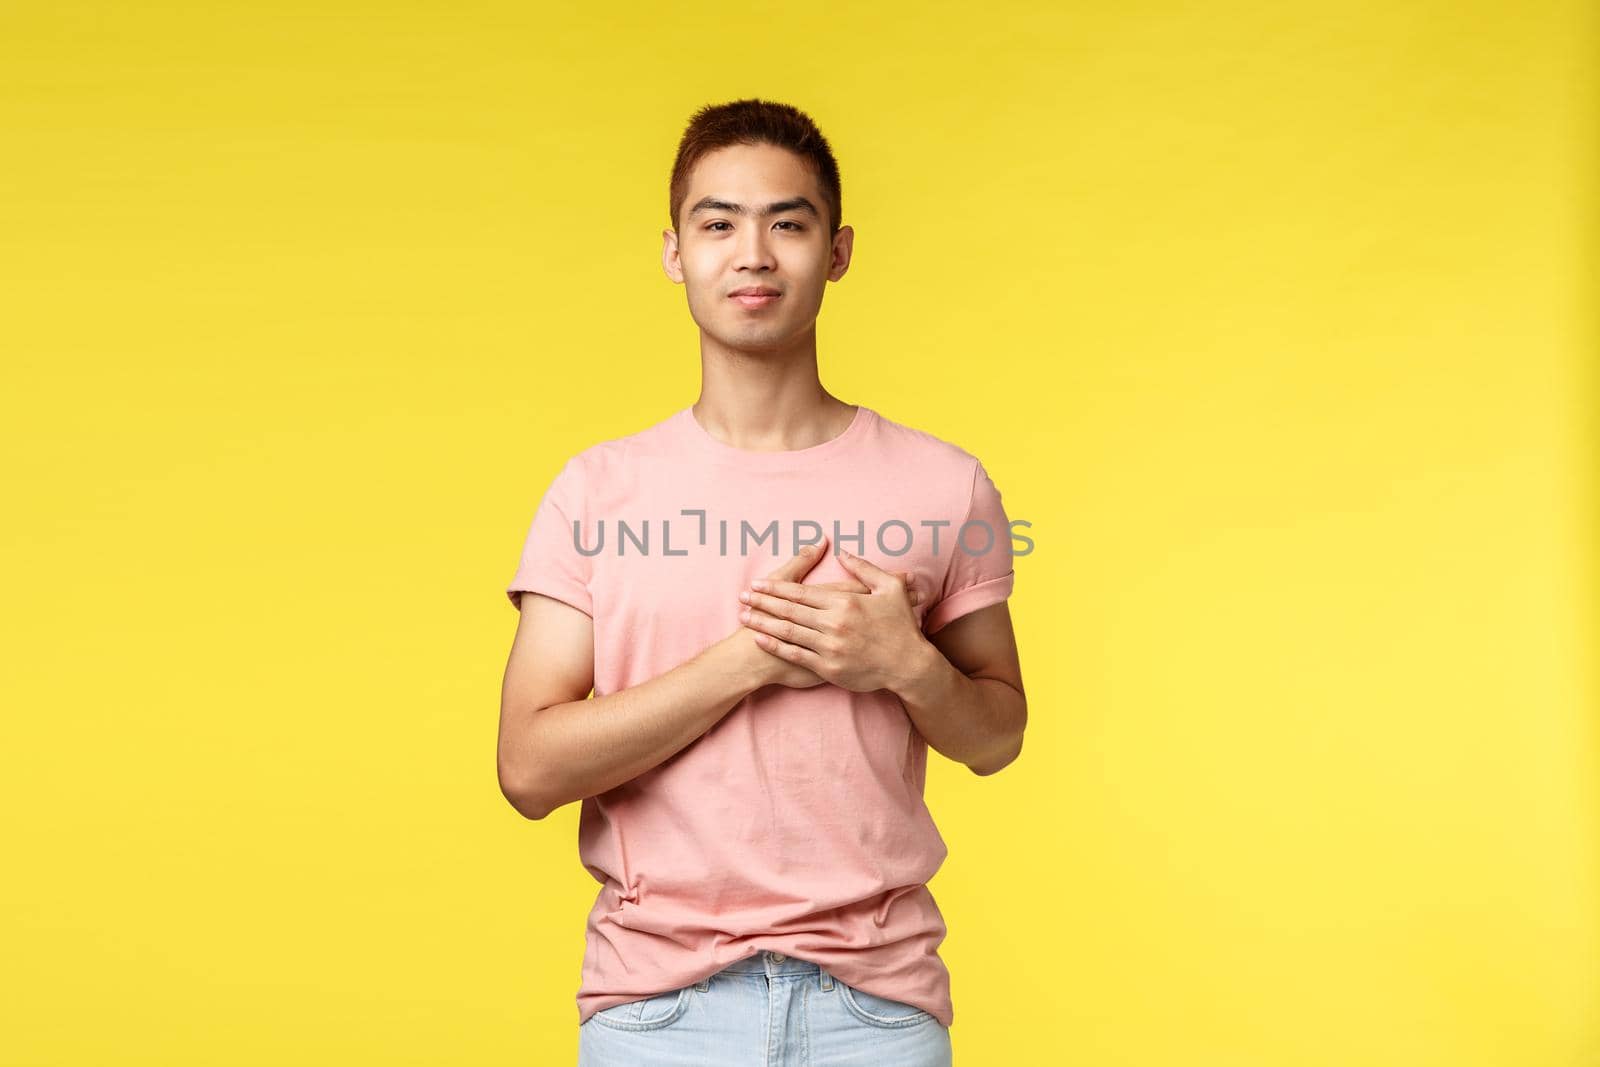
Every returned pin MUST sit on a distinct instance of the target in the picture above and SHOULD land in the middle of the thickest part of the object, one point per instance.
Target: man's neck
(767, 401)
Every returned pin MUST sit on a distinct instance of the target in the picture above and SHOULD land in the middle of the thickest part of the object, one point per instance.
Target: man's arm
(962, 685)
(966, 696)
(558, 746)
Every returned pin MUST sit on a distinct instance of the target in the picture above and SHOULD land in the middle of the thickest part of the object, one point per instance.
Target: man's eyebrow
(796, 203)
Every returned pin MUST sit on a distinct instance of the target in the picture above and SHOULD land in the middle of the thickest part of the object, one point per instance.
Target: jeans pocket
(880, 1011)
(651, 1013)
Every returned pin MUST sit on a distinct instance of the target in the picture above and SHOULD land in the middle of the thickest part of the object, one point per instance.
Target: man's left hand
(858, 641)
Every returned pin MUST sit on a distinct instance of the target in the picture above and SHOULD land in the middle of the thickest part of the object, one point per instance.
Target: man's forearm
(977, 721)
(584, 747)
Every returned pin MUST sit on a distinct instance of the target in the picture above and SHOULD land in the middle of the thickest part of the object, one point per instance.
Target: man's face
(730, 240)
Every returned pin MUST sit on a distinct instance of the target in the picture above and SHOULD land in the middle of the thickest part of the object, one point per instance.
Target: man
(751, 766)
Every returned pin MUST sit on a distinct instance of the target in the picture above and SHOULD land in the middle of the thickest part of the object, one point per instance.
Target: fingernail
(744, 598)
(759, 583)
(808, 549)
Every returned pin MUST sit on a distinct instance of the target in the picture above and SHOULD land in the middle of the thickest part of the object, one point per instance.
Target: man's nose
(755, 250)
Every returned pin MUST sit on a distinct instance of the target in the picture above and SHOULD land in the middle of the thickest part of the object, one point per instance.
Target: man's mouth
(754, 296)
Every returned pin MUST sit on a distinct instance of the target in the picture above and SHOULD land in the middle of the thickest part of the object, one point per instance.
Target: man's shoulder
(921, 447)
(612, 452)
(895, 443)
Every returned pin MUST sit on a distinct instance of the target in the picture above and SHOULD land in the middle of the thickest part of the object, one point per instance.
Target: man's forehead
(783, 174)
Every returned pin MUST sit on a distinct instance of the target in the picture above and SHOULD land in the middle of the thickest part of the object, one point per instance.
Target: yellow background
(1271, 319)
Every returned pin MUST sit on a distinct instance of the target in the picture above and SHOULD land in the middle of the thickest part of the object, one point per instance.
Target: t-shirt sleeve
(551, 563)
(980, 571)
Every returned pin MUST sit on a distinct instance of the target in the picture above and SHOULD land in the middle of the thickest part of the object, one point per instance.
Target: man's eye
(785, 222)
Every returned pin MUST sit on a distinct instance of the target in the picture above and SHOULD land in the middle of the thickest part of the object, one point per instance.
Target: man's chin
(753, 342)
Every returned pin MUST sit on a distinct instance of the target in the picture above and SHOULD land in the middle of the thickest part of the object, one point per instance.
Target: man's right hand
(775, 670)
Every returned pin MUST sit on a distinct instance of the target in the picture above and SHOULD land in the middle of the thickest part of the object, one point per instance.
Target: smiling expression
(753, 250)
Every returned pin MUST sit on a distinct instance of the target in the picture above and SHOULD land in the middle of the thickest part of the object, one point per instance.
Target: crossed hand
(861, 635)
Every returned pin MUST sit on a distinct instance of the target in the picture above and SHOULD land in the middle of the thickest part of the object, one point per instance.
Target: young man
(751, 767)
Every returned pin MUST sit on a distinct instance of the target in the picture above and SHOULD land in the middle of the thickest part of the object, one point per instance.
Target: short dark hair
(754, 122)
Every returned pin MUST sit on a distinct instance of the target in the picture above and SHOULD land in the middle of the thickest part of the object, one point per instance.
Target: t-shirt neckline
(779, 460)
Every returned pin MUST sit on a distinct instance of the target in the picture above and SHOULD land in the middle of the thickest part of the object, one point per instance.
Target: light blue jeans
(768, 1010)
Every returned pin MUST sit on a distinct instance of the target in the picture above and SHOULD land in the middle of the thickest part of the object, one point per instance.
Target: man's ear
(843, 246)
(669, 256)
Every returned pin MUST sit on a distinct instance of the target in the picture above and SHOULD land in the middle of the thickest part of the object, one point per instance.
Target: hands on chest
(861, 635)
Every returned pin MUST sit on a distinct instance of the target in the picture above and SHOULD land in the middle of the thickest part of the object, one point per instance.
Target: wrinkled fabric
(796, 824)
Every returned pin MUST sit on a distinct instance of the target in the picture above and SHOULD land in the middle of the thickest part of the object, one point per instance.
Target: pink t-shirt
(797, 823)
